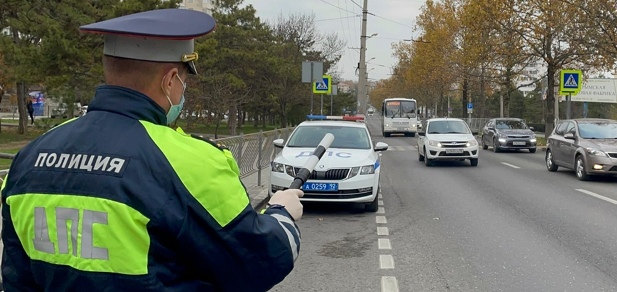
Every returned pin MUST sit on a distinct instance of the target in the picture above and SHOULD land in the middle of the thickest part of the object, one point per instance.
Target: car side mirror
(279, 143)
(531, 128)
(381, 146)
(569, 136)
(475, 133)
(491, 128)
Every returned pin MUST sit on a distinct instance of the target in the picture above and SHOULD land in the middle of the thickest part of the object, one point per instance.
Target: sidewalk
(258, 194)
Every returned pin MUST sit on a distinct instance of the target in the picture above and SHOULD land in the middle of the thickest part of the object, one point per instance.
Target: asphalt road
(506, 225)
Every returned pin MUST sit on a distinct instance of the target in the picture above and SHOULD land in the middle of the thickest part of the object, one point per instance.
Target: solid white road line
(381, 219)
(389, 284)
(383, 231)
(381, 210)
(597, 196)
(386, 261)
(510, 165)
(384, 243)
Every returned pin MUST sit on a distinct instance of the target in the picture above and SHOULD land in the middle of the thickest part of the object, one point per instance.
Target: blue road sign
(572, 80)
(323, 86)
(470, 105)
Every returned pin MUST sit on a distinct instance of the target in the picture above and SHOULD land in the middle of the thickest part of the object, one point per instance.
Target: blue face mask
(175, 109)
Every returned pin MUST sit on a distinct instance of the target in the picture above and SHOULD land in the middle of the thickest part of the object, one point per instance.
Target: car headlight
(596, 152)
(290, 170)
(282, 168)
(367, 169)
(502, 140)
(434, 143)
(472, 143)
(387, 125)
(278, 167)
(533, 140)
(353, 172)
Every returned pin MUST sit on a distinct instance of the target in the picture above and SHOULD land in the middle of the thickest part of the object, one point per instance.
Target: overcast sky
(393, 21)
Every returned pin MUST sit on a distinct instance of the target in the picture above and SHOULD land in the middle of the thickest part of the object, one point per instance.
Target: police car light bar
(334, 118)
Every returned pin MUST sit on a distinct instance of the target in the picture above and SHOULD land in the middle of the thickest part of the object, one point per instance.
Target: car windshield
(510, 124)
(401, 109)
(447, 127)
(344, 137)
(598, 130)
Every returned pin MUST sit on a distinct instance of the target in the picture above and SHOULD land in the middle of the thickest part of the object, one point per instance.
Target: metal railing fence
(252, 152)
(476, 124)
(3, 172)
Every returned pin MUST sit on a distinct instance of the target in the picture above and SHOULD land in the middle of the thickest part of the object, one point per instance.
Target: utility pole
(361, 95)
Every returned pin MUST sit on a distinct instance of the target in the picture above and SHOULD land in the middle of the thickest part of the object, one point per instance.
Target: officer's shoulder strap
(217, 145)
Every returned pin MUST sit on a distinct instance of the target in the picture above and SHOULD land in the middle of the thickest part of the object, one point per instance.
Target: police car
(347, 172)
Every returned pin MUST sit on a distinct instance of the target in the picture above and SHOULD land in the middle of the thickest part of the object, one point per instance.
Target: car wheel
(495, 147)
(427, 161)
(386, 134)
(374, 205)
(412, 134)
(550, 163)
(532, 150)
(484, 146)
(420, 156)
(580, 168)
(473, 161)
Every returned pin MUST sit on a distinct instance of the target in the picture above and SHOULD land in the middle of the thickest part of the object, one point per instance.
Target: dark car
(508, 134)
(589, 146)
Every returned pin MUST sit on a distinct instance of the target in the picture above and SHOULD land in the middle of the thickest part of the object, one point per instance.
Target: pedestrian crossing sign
(323, 86)
(571, 82)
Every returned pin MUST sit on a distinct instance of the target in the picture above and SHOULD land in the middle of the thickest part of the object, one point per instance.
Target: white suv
(447, 139)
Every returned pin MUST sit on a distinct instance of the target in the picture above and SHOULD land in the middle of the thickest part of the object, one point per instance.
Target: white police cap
(164, 35)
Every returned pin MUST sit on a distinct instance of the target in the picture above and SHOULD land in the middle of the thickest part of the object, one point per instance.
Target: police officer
(118, 201)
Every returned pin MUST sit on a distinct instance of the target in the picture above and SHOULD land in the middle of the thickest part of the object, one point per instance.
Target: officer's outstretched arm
(226, 242)
(253, 252)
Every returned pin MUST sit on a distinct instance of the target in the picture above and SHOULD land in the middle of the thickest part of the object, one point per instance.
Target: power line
(353, 41)
(390, 20)
(354, 2)
(342, 17)
(336, 6)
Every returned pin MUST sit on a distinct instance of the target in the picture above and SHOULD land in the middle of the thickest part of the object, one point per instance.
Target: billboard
(598, 90)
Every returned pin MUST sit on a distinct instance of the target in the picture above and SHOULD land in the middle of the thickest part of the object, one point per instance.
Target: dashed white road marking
(510, 165)
(383, 231)
(389, 284)
(386, 261)
(597, 196)
(384, 243)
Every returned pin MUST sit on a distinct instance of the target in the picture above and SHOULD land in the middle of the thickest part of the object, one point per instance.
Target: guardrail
(253, 152)
(476, 124)
(3, 172)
